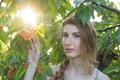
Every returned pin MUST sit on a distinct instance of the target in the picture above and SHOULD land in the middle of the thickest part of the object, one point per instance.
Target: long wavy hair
(87, 47)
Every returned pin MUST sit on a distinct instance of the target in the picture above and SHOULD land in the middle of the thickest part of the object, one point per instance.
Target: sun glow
(28, 16)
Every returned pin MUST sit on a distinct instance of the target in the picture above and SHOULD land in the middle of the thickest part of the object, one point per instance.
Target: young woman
(79, 43)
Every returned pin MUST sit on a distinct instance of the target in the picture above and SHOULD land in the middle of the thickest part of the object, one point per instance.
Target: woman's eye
(77, 35)
(64, 35)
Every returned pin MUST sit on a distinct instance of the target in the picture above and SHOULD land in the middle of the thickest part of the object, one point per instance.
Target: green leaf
(42, 76)
(50, 39)
(19, 73)
(116, 78)
(84, 13)
(118, 35)
(19, 45)
(112, 68)
(2, 72)
(53, 8)
(103, 1)
(67, 6)
(4, 37)
(62, 11)
(58, 3)
(48, 70)
(8, 2)
(0, 47)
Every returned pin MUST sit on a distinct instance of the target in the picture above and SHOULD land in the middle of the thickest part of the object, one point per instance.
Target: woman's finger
(36, 44)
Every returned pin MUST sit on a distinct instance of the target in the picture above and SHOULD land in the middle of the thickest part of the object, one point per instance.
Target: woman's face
(71, 40)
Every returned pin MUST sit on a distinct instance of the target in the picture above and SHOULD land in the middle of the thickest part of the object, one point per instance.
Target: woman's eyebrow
(64, 32)
(75, 32)
(72, 32)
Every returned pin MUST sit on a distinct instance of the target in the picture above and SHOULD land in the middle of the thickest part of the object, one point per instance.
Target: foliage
(13, 48)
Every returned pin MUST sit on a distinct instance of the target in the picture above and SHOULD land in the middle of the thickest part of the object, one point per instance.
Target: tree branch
(114, 26)
(107, 7)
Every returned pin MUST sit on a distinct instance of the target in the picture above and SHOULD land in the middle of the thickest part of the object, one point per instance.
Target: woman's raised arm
(33, 58)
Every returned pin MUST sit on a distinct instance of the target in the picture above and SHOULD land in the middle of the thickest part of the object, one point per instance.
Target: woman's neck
(75, 65)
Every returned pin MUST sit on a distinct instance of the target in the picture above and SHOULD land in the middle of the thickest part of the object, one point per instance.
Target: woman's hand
(33, 58)
(34, 51)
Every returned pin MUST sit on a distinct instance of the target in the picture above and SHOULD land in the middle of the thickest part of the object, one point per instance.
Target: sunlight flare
(28, 16)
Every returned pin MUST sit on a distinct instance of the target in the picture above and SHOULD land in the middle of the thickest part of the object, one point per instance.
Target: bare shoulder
(102, 76)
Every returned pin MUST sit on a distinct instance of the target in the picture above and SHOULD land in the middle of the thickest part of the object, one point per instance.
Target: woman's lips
(68, 50)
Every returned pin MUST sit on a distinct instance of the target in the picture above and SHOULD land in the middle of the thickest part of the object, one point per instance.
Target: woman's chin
(71, 55)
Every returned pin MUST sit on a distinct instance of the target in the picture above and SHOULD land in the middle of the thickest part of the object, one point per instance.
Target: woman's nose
(68, 40)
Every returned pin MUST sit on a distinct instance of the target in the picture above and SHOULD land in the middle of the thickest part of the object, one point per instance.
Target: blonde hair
(87, 44)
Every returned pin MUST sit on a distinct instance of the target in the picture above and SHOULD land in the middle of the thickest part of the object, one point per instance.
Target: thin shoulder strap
(96, 78)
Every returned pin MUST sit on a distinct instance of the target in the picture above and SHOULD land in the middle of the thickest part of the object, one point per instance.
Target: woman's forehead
(70, 27)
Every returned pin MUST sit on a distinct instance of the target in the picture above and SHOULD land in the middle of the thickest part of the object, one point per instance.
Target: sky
(98, 19)
(117, 2)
